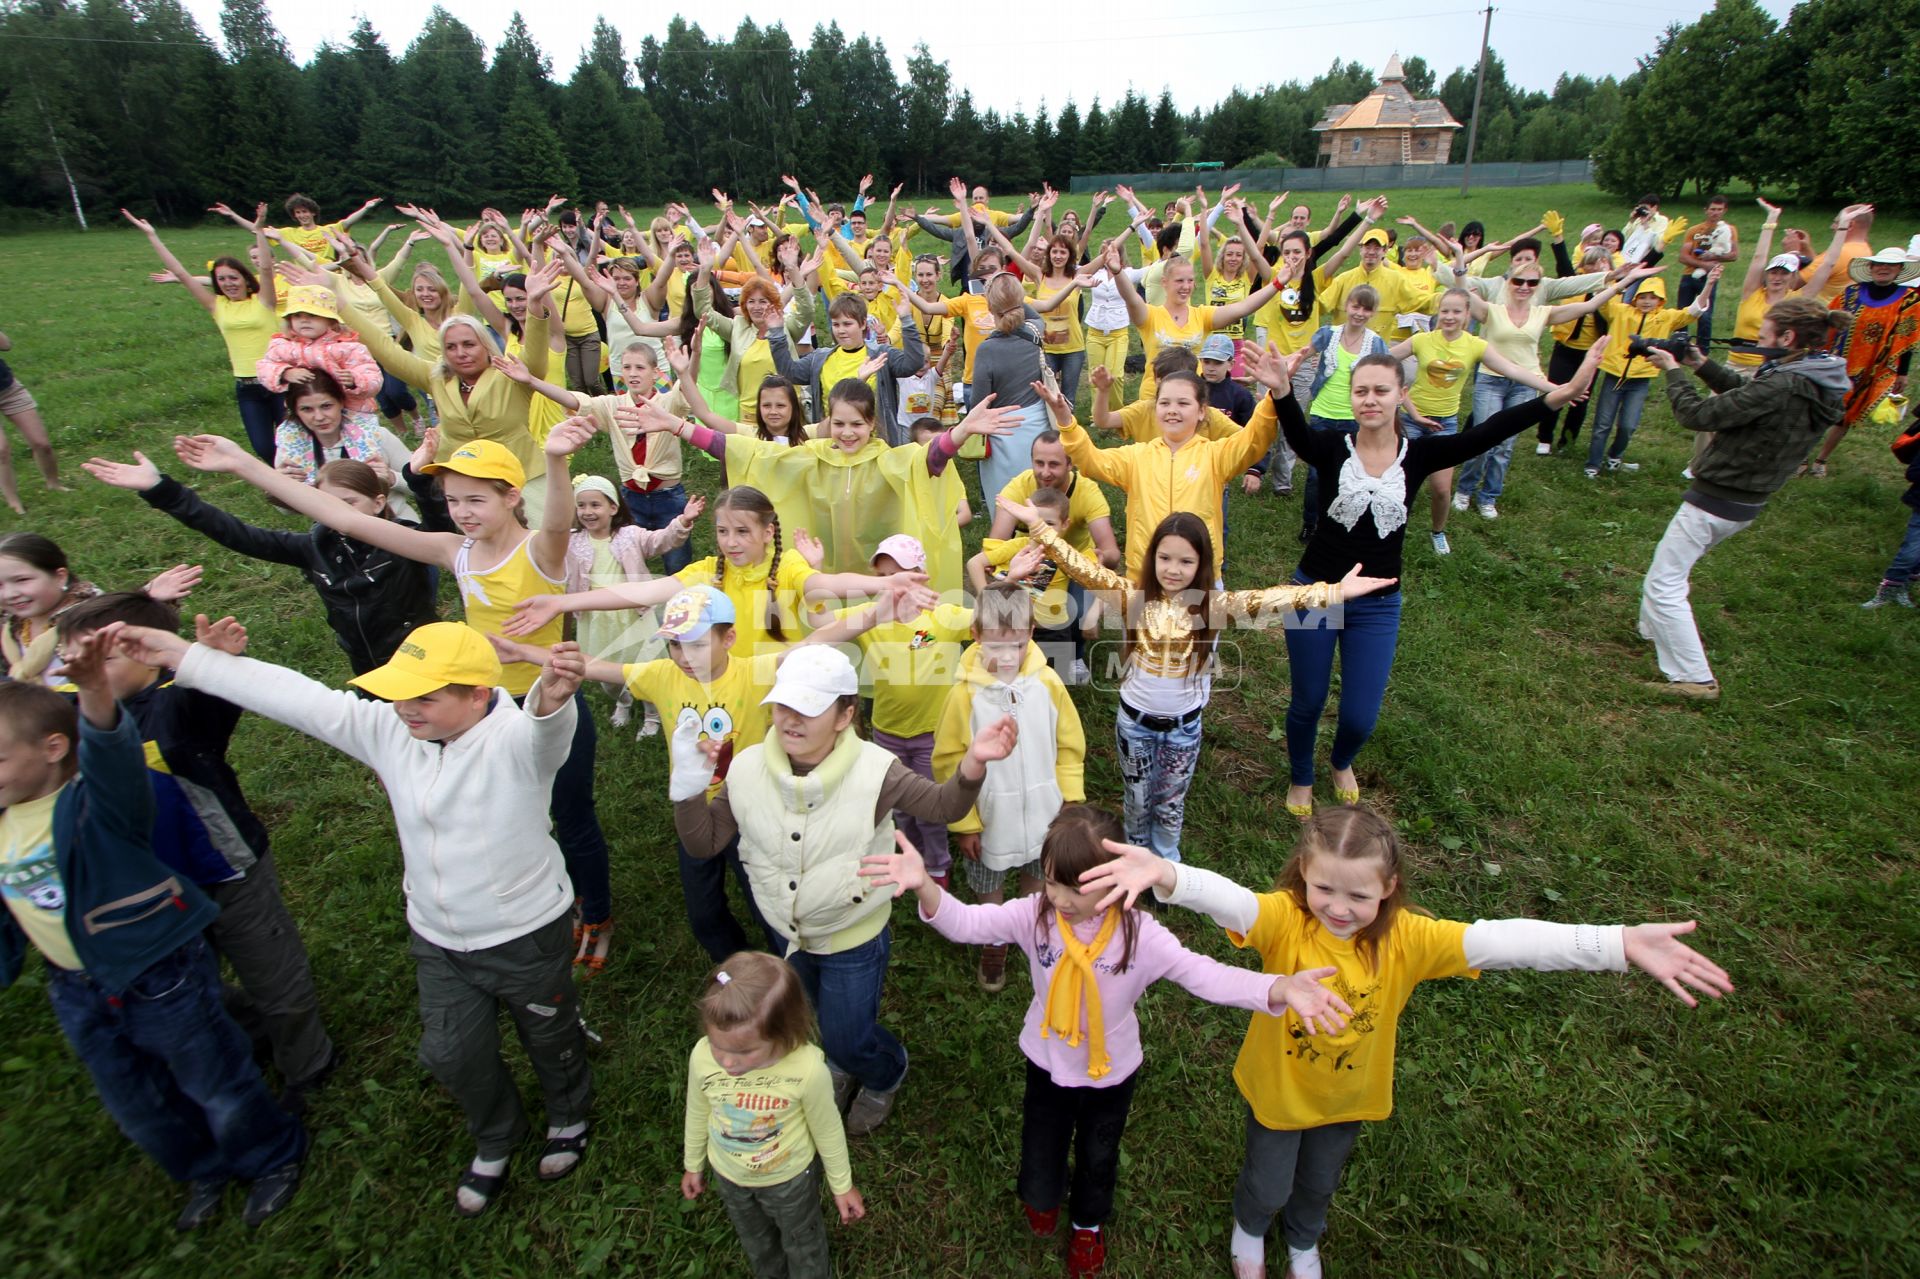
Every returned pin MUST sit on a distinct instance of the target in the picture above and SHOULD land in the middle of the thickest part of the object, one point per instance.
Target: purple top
(1157, 954)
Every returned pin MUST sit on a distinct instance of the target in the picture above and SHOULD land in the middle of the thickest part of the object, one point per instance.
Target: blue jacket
(203, 826)
(125, 911)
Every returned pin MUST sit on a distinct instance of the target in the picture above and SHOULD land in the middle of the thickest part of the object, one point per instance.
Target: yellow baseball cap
(1375, 236)
(483, 460)
(432, 657)
(311, 299)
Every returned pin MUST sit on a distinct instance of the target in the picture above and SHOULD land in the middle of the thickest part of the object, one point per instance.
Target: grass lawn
(1545, 1125)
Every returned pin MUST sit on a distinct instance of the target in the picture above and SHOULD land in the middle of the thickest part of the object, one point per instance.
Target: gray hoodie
(1764, 428)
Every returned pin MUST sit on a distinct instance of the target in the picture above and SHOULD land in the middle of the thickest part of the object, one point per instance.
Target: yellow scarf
(1073, 986)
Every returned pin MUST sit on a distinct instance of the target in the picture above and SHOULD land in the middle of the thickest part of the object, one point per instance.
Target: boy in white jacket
(489, 903)
(1004, 673)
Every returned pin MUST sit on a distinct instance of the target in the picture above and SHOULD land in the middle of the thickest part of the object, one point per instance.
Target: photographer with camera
(1763, 427)
(1637, 326)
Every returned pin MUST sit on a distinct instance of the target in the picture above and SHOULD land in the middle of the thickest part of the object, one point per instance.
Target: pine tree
(529, 164)
(1065, 160)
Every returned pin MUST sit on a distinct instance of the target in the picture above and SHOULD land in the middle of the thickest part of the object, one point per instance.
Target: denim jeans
(703, 886)
(174, 1070)
(394, 398)
(1485, 476)
(576, 823)
(1156, 768)
(845, 990)
(1415, 431)
(1367, 632)
(1906, 560)
(260, 412)
(930, 838)
(1086, 1122)
(1621, 400)
(657, 510)
(1310, 498)
(1067, 366)
(1291, 1173)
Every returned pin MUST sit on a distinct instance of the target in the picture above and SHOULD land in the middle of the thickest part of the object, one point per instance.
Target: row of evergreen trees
(127, 102)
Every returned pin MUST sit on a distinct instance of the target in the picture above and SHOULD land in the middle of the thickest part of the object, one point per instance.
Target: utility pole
(1479, 85)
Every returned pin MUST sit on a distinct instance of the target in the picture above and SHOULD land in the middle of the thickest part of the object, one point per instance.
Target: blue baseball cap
(694, 612)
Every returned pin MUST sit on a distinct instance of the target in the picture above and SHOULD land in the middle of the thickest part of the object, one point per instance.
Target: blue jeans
(1310, 498)
(1066, 368)
(260, 411)
(1365, 635)
(1012, 454)
(1690, 289)
(845, 990)
(1485, 476)
(703, 885)
(657, 510)
(1906, 560)
(394, 398)
(174, 1070)
(1621, 400)
(1415, 431)
(576, 823)
(1156, 768)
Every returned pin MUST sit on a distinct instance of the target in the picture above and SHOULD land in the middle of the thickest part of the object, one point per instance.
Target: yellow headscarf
(1074, 987)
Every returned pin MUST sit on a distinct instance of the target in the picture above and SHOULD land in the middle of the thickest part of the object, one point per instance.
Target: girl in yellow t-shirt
(496, 560)
(1310, 1081)
(1179, 322)
(1230, 277)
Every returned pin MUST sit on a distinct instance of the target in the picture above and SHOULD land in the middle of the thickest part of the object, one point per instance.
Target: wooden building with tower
(1388, 126)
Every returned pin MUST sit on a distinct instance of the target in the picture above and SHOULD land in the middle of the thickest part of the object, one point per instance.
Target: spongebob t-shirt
(30, 879)
(1293, 1079)
(728, 707)
(764, 1127)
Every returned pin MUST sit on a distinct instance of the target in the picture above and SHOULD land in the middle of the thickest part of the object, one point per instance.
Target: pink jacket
(1157, 954)
(340, 353)
(633, 546)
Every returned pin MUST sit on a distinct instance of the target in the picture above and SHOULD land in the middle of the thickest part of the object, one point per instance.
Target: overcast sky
(1014, 54)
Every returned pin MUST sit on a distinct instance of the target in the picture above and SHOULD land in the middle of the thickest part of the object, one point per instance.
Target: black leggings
(1561, 366)
(1087, 1122)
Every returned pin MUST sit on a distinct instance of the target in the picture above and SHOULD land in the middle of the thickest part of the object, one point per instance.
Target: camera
(1641, 210)
(1677, 345)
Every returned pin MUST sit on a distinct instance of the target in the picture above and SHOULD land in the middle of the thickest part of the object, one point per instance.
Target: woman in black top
(1363, 518)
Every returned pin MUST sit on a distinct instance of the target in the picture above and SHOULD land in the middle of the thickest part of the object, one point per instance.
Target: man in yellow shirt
(308, 232)
(1396, 290)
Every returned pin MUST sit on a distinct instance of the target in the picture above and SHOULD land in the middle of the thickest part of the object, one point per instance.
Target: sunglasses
(1525, 284)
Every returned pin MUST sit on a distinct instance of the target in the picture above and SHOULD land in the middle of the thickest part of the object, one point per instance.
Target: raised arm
(201, 293)
(361, 212)
(1571, 310)
(1757, 265)
(1137, 313)
(1821, 273)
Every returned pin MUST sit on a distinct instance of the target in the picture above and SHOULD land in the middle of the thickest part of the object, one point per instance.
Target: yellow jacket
(1624, 321)
(1024, 791)
(1139, 422)
(1159, 480)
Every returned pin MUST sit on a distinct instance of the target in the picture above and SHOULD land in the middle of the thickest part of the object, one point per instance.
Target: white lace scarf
(1384, 495)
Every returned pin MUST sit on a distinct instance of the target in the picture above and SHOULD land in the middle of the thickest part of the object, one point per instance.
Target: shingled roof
(1389, 106)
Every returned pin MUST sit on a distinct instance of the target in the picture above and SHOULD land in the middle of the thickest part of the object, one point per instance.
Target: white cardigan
(481, 867)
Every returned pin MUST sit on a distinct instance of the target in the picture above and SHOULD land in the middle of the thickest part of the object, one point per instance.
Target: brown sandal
(591, 951)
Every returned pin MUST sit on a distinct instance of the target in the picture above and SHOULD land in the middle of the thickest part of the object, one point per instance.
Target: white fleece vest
(1021, 794)
(802, 838)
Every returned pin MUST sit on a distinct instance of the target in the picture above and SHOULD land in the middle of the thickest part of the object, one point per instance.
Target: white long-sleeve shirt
(481, 867)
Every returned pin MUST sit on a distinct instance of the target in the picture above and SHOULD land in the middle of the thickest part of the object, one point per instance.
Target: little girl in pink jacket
(314, 339)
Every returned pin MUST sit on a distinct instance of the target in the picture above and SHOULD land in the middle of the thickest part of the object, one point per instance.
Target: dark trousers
(703, 885)
(1561, 366)
(781, 1227)
(583, 364)
(1292, 1173)
(276, 1001)
(461, 993)
(260, 411)
(394, 398)
(1691, 288)
(576, 823)
(1087, 1122)
(174, 1070)
(657, 510)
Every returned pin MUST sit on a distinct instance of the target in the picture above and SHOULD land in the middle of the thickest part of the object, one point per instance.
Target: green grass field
(1546, 1125)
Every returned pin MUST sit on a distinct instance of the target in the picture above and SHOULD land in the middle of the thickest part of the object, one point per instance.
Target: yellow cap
(432, 657)
(483, 460)
(1375, 236)
(311, 299)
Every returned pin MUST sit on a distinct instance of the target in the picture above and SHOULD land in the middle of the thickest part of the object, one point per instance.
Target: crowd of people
(521, 429)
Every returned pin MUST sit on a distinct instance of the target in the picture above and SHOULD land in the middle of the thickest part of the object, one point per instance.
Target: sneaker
(1488, 511)
(844, 1087)
(1080, 675)
(1687, 474)
(203, 1204)
(944, 879)
(1542, 449)
(1460, 501)
(1440, 544)
(271, 1193)
(1086, 1254)
(993, 969)
(650, 723)
(1693, 690)
(1615, 464)
(1043, 1224)
(870, 1109)
(1593, 472)
(1889, 594)
(1283, 490)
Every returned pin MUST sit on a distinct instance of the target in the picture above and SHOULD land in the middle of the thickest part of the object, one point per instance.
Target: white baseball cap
(812, 679)
(1784, 262)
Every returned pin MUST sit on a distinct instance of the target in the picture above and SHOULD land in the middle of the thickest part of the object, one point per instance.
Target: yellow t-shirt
(1063, 334)
(1295, 1080)
(575, 311)
(1162, 330)
(747, 588)
(911, 665)
(246, 326)
(1444, 369)
(971, 310)
(489, 595)
(313, 238)
(1288, 323)
(1746, 324)
(30, 879)
(727, 707)
(840, 366)
(1222, 291)
(763, 1128)
(487, 264)
(1052, 609)
(1085, 504)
